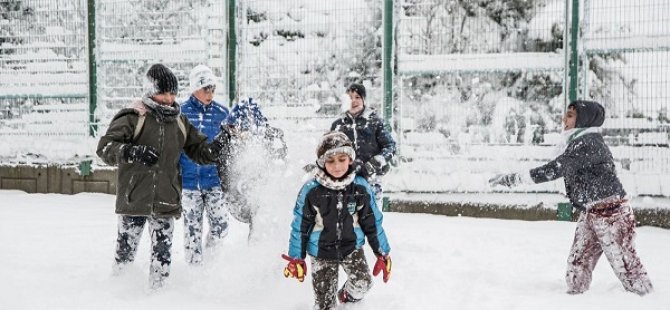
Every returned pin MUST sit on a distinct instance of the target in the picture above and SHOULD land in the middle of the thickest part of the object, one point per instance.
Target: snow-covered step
(480, 62)
(633, 42)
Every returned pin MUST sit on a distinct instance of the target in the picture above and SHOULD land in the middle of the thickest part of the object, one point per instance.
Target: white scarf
(570, 135)
(324, 179)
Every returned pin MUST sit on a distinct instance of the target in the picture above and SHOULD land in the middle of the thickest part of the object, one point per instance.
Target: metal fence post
(92, 71)
(387, 64)
(574, 58)
(232, 51)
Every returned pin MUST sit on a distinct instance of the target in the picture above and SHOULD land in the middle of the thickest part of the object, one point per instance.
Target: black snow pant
(130, 231)
(325, 273)
(613, 234)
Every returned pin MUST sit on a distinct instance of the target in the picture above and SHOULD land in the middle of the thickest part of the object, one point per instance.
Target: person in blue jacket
(201, 184)
(334, 213)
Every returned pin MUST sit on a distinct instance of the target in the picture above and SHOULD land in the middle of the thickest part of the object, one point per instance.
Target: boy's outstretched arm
(576, 156)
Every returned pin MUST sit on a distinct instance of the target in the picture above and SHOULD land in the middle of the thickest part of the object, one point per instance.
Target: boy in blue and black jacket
(334, 213)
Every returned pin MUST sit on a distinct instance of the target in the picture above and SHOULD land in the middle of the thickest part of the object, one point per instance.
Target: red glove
(383, 264)
(296, 268)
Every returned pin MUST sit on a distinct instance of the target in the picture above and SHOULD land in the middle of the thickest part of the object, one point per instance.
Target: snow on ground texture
(58, 250)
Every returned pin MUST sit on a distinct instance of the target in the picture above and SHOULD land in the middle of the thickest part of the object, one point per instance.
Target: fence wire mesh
(625, 60)
(481, 88)
(479, 85)
(43, 67)
(133, 35)
(298, 57)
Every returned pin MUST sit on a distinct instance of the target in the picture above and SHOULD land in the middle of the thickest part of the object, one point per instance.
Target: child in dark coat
(372, 141)
(606, 223)
(334, 213)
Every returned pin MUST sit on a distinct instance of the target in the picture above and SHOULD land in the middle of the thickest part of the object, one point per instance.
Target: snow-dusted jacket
(154, 190)
(586, 165)
(207, 119)
(368, 134)
(330, 223)
(273, 140)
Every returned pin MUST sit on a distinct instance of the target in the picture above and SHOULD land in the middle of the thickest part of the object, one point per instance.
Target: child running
(334, 213)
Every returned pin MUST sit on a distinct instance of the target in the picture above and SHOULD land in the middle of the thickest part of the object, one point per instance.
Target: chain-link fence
(479, 86)
(625, 56)
(43, 68)
(298, 57)
(133, 35)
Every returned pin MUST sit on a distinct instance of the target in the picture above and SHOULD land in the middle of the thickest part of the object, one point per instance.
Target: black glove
(143, 154)
(220, 140)
(377, 165)
(509, 180)
(359, 168)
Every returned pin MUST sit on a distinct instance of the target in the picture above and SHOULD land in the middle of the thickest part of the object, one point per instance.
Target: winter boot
(344, 297)
(119, 269)
(156, 283)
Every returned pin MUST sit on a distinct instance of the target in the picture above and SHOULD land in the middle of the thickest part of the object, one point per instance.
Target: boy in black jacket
(372, 142)
(606, 223)
(334, 213)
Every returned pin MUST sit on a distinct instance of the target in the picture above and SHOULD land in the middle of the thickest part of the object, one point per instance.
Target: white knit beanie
(201, 76)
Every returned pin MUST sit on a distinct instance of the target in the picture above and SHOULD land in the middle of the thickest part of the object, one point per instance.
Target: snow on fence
(482, 91)
(478, 90)
(422, 64)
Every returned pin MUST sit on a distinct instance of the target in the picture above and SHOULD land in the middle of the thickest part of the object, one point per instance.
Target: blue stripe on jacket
(384, 247)
(207, 119)
(295, 245)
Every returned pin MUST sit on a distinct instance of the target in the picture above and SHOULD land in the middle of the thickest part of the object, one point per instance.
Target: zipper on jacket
(340, 225)
(154, 176)
(354, 130)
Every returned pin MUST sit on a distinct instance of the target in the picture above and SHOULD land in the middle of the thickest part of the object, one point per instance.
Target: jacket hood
(589, 113)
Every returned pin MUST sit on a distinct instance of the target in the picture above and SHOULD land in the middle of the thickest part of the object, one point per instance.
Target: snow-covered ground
(57, 251)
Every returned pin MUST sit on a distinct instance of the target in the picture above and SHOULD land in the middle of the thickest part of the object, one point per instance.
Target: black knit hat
(159, 80)
(357, 88)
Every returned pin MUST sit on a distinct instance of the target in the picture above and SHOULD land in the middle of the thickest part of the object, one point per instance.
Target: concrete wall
(650, 217)
(56, 179)
(68, 180)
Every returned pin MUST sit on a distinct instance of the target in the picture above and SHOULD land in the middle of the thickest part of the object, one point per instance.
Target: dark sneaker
(344, 297)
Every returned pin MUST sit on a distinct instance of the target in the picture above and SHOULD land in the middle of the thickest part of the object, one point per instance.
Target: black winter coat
(587, 168)
(368, 134)
(331, 224)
